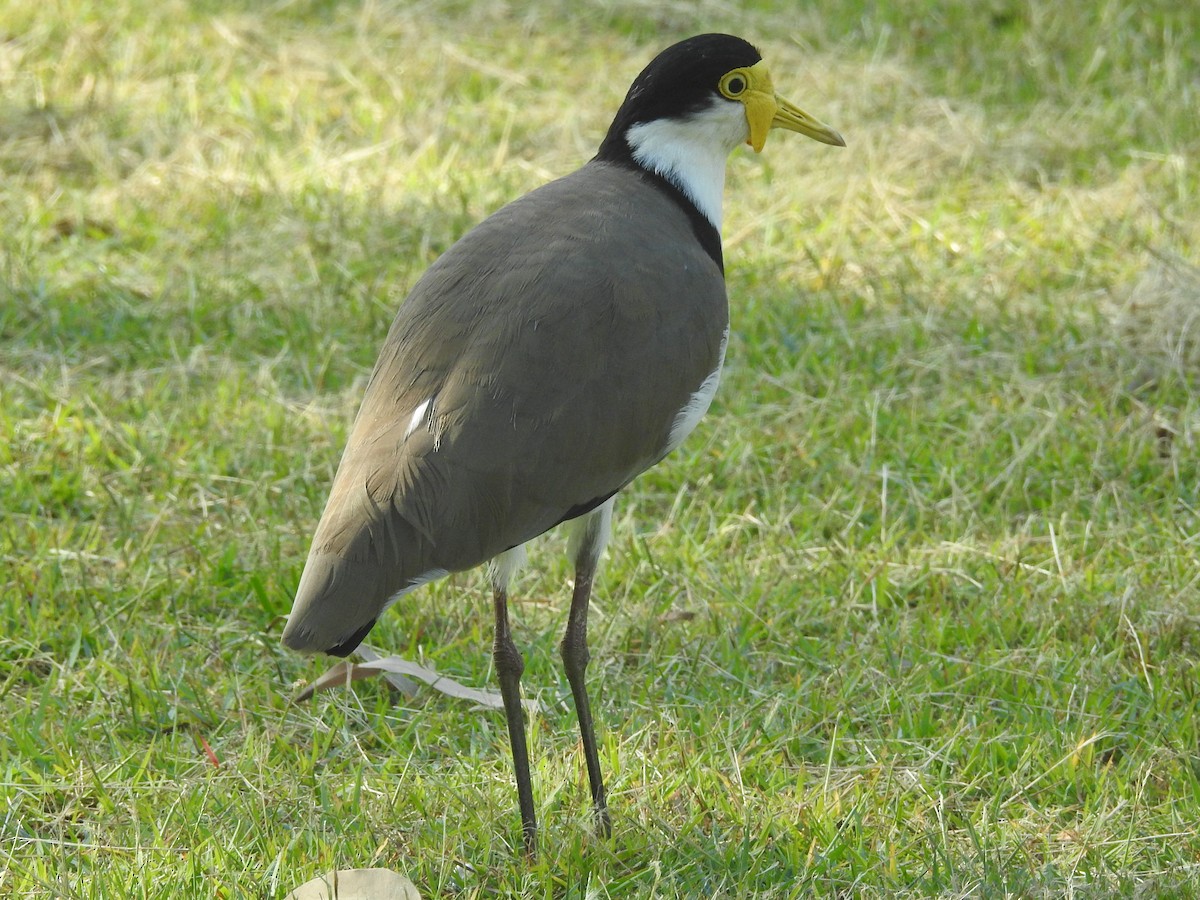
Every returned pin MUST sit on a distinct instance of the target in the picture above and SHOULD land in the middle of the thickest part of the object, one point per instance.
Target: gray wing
(596, 283)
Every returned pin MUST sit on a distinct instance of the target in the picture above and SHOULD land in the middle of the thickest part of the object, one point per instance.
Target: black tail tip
(346, 647)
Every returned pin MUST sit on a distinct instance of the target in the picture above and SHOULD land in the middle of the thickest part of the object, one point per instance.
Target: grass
(915, 613)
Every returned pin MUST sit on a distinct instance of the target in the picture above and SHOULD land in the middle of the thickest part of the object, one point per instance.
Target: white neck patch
(691, 152)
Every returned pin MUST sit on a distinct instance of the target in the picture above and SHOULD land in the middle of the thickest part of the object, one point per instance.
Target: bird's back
(534, 370)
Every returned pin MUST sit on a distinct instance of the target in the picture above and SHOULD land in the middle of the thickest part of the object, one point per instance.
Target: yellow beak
(792, 118)
(766, 110)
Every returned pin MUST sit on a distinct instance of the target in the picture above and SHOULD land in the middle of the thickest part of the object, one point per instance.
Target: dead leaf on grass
(357, 884)
(399, 671)
(676, 615)
(345, 673)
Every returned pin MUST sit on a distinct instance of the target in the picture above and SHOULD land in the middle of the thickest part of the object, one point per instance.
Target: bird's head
(715, 86)
(694, 103)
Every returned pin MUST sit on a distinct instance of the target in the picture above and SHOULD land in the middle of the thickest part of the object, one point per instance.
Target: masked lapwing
(559, 349)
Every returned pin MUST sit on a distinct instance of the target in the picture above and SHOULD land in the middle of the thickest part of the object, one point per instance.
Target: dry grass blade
(404, 685)
(346, 672)
(1159, 318)
(357, 884)
(399, 672)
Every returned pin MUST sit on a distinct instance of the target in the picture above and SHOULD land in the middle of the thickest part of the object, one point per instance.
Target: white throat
(691, 152)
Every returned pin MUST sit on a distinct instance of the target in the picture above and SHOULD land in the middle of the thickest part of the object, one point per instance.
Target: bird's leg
(509, 667)
(575, 659)
(592, 536)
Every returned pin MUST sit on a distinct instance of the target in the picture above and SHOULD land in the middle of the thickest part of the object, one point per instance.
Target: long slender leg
(589, 543)
(509, 667)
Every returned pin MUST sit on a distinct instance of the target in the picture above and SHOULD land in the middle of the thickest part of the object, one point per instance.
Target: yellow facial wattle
(766, 110)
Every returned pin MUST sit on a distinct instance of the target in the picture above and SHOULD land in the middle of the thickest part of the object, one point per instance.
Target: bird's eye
(733, 84)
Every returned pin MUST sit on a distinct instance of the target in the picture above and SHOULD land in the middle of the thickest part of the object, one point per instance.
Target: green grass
(916, 612)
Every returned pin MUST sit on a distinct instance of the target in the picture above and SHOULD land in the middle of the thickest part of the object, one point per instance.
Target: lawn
(916, 610)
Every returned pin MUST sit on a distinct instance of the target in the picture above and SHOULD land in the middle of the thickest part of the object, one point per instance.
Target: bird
(561, 347)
